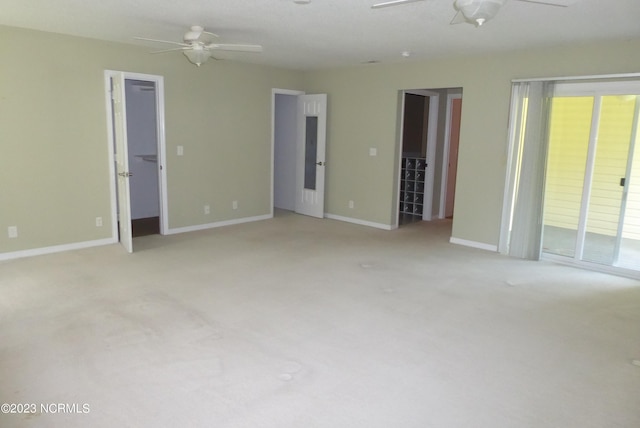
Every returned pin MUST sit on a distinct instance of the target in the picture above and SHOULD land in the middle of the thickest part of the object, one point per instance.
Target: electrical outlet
(234, 205)
(373, 151)
(13, 231)
(351, 204)
(98, 221)
(207, 209)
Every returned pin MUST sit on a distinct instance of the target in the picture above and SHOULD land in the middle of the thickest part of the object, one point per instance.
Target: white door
(122, 160)
(310, 154)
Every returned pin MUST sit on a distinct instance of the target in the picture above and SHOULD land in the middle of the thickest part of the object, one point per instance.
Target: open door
(310, 154)
(122, 160)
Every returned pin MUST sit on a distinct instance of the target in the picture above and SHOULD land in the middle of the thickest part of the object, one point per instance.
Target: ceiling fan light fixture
(478, 11)
(197, 56)
(193, 34)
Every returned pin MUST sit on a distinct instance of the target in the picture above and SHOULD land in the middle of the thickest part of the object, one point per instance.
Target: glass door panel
(592, 187)
(629, 250)
(569, 136)
(310, 152)
(609, 171)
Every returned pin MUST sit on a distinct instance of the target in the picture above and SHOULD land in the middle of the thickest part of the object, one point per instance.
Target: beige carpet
(298, 322)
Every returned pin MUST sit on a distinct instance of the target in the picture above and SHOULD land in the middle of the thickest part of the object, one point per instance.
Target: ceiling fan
(198, 45)
(477, 12)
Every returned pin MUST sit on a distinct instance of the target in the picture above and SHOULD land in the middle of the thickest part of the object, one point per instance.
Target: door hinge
(623, 181)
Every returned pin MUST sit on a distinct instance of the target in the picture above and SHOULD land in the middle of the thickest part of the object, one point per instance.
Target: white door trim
(399, 151)
(445, 155)
(432, 142)
(274, 92)
(162, 169)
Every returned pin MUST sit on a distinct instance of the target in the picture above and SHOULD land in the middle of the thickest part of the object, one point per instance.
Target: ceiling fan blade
(393, 3)
(234, 47)
(458, 19)
(161, 41)
(170, 50)
(210, 33)
(558, 3)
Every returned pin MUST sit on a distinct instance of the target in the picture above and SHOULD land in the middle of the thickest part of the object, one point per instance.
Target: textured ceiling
(330, 33)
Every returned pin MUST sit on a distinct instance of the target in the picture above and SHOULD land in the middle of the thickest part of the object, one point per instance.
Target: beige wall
(54, 170)
(363, 105)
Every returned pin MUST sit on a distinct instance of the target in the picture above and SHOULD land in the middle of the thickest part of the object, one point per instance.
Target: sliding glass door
(592, 189)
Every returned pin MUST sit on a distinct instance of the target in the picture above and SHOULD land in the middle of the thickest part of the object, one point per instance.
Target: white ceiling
(330, 33)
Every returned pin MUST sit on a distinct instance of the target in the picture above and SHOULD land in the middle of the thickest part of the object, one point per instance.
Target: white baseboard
(218, 224)
(56, 249)
(474, 244)
(87, 244)
(358, 221)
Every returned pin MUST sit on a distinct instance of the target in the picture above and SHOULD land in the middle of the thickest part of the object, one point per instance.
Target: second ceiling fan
(477, 12)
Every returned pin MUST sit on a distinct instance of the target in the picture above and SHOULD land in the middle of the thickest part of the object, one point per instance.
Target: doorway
(137, 148)
(142, 142)
(428, 149)
(592, 179)
(450, 153)
(298, 152)
(420, 109)
(284, 148)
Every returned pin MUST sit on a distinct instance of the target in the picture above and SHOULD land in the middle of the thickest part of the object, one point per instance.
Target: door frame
(274, 92)
(444, 183)
(585, 85)
(597, 90)
(160, 121)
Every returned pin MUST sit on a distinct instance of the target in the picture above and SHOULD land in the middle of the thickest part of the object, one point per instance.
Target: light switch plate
(180, 150)
(373, 151)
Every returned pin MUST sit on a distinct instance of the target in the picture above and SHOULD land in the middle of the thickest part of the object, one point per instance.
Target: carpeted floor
(299, 322)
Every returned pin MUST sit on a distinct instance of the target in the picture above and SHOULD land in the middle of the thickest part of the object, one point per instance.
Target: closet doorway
(284, 142)
(298, 147)
(142, 139)
(428, 153)
(136, 133)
